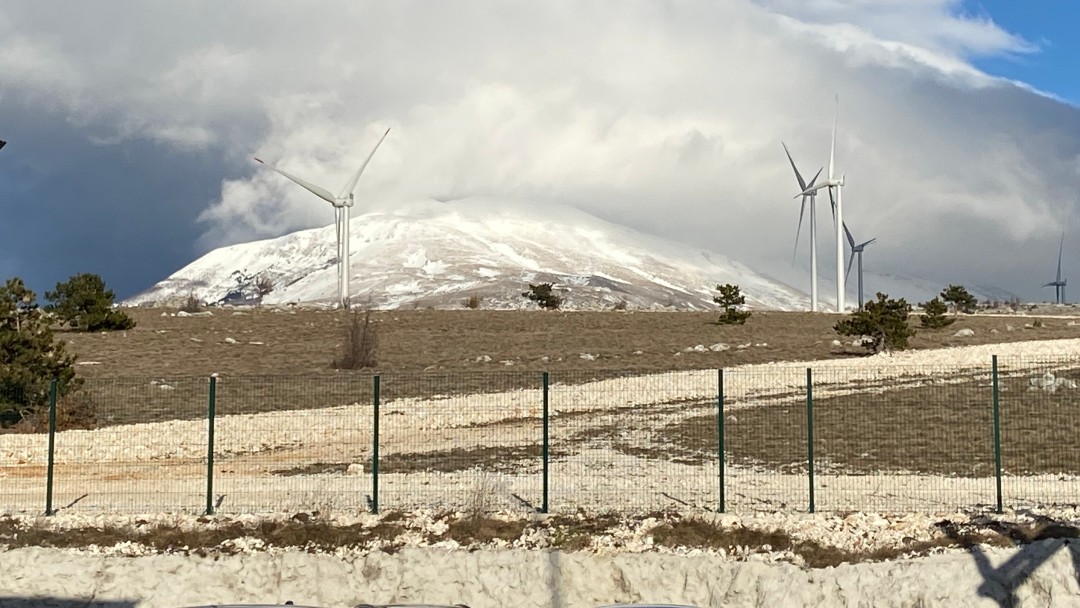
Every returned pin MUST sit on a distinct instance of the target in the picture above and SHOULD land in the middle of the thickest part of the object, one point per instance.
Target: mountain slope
(437, 254)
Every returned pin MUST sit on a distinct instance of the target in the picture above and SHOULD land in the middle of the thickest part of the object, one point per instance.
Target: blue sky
(131, 125)
(1054, 27)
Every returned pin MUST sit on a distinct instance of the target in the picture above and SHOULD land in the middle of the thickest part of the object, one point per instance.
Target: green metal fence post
(545, 454)
(375, 447)
(211, 415)
(52, 449)
(997, 434)
(720, 434)
(810, 432)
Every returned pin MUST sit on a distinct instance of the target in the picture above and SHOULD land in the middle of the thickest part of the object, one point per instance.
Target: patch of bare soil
(565, 532)
(942, 427)
(302, 531)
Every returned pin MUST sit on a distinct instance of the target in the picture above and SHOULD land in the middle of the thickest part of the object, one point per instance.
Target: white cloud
(667, 116)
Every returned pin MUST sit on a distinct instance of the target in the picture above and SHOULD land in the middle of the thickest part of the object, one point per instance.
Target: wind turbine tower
(342, 204)
(1059, 283)
(856, 250)
(835, 183)
(813, 227)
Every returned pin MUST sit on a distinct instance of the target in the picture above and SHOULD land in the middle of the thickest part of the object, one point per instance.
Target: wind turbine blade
(351, 185)
(832, 148)
(832, 204)
(851, 260)
(850, 239)
(813, 181)
(802, 208)
(810, 190)
(318, 191)
(798, 176)
(2, 144)
(1058, 279)
(867, 242)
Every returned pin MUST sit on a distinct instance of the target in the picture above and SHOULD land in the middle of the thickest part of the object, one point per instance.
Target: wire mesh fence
(469, 443)
(291, 443)
(836, 437)
(1040, 423)
(146, 453)
(633, 442)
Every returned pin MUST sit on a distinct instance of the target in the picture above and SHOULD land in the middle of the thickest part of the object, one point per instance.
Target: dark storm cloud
(665, 116)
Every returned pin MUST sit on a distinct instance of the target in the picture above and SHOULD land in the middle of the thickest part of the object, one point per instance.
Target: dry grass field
(304, 342)
(454, 412)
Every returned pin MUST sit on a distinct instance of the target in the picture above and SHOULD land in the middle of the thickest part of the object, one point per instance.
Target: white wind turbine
(342, 205)
(813, 227)
(856, 249)
(837, 184)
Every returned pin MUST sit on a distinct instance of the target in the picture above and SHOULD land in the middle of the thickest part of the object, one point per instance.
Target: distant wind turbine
(856, 250)
(342, 204)
(835, 183)
(813, 227)
(1059, 283)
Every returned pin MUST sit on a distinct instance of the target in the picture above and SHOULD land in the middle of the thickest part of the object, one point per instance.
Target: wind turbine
(342, 204)
(856, 250)
(1059, 283)
(835, 183)
(813, 227)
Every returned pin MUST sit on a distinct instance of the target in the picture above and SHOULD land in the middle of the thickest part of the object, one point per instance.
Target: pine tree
(959, 299)
(544, 295)
(29, 357)
(84, 303)
(934, 317)
(731, 298)
(883, 322)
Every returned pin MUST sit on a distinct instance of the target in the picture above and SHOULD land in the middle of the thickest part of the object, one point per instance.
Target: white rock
(230, 340)
(719, 347)
(964, 333)
(587, 356)
(837, 343)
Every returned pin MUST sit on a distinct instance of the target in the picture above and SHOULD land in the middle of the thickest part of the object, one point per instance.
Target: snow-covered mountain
(438, 254)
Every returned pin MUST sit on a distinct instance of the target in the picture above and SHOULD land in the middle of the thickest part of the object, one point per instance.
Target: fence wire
(461, 442)
(292, 444)
(146, 452)
(881, 438)
(1040, 423)
(634, 442)
(903, 438)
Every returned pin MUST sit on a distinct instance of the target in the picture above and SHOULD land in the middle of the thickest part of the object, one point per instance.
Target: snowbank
(1040, 574)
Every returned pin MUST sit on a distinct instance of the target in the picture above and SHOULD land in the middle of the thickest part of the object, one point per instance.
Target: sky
(132, 125)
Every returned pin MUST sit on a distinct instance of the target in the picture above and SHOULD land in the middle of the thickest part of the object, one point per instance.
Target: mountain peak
(434, 253)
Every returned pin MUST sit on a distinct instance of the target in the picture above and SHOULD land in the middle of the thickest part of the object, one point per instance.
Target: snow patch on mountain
(437, 254)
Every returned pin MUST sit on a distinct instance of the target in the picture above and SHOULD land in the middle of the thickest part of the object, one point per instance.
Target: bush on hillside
(544, 295)
(361, 346)
(883, 324)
